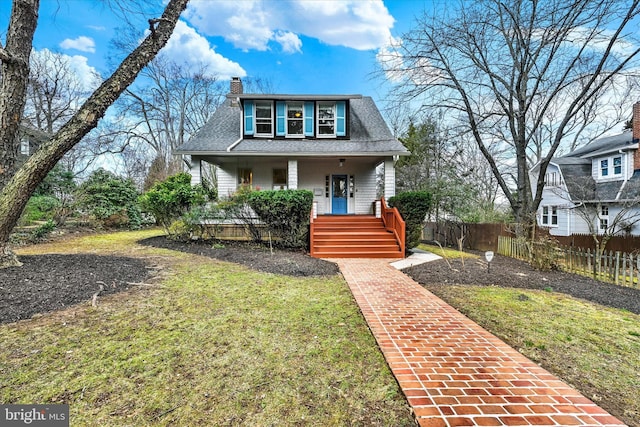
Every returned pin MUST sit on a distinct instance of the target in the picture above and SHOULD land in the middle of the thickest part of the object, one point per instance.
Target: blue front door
(339, 194)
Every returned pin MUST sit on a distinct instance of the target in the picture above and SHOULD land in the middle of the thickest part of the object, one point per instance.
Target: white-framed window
(617, 165)
(264, 118)
(245, 176)
(604, 167)
(610, 167)
(549, 215)
(295, 119)
(326, 119)
(604, 210)
(24, 146)
(604, 223)
(552, 179)
(280, 179)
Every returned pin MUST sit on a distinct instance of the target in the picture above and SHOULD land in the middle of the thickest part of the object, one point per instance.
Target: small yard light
(341, 162)
(488, 256)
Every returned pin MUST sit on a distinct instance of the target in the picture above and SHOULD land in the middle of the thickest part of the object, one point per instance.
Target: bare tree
(171, 104)
(521, 76)
(18, 185)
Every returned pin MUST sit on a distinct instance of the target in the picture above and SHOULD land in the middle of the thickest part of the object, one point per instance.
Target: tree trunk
(16, 193)
(13, 89)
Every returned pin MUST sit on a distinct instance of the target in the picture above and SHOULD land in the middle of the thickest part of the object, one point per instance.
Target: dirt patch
(512, 273)
(51, 282)
(252, 255)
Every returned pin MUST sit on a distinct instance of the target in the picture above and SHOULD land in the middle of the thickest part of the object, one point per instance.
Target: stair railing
(394, 223)
(312, 216)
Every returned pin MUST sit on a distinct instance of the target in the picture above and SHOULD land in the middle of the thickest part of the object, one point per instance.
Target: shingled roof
(576, 170)
(368, 134)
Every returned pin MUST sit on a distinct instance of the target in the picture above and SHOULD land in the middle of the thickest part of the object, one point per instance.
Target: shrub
(168, 200)
(413, 206)
(40, 208)
(43, 231)
(109, 199)
(286, 214)
(236, 207)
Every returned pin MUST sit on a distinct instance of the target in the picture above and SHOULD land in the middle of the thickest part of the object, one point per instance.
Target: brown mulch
(52, 282)
(256, 256)
(512, 273)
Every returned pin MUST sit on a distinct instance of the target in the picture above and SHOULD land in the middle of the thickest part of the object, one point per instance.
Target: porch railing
(312, 225)
(394, 223)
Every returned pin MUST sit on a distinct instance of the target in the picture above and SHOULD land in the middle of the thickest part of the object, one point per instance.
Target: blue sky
(300, 46)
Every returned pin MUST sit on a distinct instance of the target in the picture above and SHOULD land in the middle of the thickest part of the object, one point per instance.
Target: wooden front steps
(352, 236)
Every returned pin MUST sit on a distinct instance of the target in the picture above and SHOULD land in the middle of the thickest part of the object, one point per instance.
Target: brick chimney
(236, 86)
(635, 126)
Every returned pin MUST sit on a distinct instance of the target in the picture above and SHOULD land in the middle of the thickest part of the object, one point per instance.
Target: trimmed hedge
(286, 214)
(413, 206)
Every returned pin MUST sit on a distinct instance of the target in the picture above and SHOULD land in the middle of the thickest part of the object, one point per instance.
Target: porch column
(292, 175)
(389, 178)
(195, 170)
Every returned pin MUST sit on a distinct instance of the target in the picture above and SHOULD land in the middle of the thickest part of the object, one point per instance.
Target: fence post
(617, 267)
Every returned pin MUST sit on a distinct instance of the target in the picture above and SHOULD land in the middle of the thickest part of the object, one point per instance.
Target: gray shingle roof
(576, 170)
(368, 135)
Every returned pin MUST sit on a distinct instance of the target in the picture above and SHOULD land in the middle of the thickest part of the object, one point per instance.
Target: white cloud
(188, 47)
(82, 43)
(88, 76)
(290, 42)
(254, 24)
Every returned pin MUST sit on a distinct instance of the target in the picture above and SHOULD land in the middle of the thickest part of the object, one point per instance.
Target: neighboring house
(329, 144)
(604, 175)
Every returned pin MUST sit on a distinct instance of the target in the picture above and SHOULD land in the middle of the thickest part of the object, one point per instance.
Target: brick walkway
(452, 371)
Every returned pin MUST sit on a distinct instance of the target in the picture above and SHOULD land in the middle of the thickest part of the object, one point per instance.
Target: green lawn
(210, 343)
(594, 348)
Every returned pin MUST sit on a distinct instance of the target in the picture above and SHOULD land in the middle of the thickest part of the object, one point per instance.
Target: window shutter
(248, 117)
(308, 118)
(340, 118)
(280, 118)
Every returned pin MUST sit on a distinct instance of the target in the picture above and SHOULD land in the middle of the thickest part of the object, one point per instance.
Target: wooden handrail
(394, 223)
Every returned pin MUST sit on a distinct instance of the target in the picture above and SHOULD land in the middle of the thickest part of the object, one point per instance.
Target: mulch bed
(512, 273)
(51, 282)
(252, 255)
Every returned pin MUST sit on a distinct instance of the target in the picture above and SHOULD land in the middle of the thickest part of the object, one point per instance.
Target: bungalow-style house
(602, 178)
(329, 144)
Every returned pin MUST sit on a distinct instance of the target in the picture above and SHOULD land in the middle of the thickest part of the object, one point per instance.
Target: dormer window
(326, 119)
(264, 118)
(617, 165)
(610, 167)
(295, 119)
(604, 167)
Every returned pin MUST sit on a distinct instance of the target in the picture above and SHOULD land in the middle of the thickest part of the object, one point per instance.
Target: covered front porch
(341, 185)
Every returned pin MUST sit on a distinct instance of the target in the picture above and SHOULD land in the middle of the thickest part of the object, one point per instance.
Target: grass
(594, 348)
(212, 344)
(445, 252)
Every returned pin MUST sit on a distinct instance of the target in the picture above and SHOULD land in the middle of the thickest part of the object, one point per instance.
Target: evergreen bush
(286, 214)
(413, 206)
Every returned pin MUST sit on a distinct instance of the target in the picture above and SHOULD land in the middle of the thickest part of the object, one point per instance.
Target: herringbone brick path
(452, 371)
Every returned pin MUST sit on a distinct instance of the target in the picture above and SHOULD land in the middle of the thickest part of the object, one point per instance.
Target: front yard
(204, 343)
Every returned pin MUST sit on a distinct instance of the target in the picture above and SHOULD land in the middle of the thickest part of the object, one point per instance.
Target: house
(595, 188)
(329, 144)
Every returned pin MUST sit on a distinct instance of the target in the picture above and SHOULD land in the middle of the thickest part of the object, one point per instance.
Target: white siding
(226, 181)
(313, 175)
(195, 170)
(389, 179)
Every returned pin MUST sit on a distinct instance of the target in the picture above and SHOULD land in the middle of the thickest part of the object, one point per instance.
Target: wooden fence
(617, 267)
